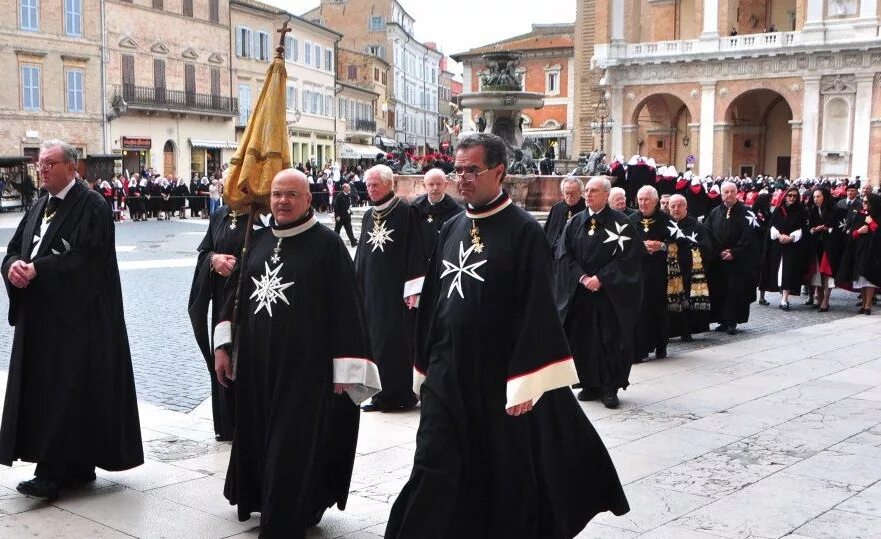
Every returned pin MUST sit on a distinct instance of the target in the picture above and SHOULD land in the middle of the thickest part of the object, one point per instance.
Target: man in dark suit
(342, 212)
(70, 396)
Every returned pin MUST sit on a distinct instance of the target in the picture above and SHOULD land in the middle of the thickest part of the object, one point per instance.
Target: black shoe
(660, 353)
(784, 306)
(763, 302)
(39, 488)
(610, 399)
(721, 327)
(79, 479)
(687, 338)
(315, 519)
(867, 311)
(732, 329)
(823, 309)
(861, 311)
(375, 407)
(589, 394)
(640, 359)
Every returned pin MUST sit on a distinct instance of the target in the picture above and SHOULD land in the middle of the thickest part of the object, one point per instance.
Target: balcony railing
(759, 41)
(242, 118)
(361, 126)
(605, 55)
(147, 98)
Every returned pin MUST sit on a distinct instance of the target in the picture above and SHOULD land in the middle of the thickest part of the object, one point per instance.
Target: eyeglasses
(791, 195)
(469, 176)
(282, 194)
(43, 165)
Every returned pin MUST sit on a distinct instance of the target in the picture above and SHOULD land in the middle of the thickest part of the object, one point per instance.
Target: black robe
(785, 264)
(390, 263)
(558, 217)
(733, 282)
(479, 472)
(862, 255)
(302, 329)
(600, 325)
(433, 216)
(651, 327)
(208, 287)
(694, 255)
(70, 395)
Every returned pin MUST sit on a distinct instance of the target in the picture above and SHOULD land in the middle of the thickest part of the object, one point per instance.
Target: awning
(351, 150)
(552, 133)
(213, 144)
(386, 141)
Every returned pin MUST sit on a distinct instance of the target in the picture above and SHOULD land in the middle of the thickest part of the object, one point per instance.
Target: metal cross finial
(285, 28)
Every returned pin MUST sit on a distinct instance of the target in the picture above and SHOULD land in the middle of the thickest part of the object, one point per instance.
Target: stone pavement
(773, 436)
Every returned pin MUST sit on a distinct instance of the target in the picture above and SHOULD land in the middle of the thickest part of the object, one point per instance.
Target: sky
(460, 25)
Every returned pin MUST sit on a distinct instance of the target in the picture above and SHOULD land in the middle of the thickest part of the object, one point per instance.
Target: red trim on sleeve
(873, 226)
(546, 365)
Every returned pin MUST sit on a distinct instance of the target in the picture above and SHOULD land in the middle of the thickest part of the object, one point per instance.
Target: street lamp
(602, 122)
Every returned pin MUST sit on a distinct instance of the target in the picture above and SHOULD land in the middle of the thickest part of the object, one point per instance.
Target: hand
(863, 229)
(726, 255)
(18, 274)
(785, 238)
(653, 246)
(520, 409)
(337, 219)
(222, 367)
(412, 301)
(592, 283)
(338, 389)
(223, 264)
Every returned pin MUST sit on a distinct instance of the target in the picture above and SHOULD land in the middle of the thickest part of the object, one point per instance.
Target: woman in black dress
(861, 262)
(825, 252)
(784, 263)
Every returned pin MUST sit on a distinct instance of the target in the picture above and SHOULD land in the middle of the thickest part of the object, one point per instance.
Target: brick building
(385, 29)
(51, 55)
(784, 87)
(310, 61)
(371, 73)
(547, 66)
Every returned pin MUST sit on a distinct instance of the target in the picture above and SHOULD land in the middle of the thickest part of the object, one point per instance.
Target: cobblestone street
(775, 432)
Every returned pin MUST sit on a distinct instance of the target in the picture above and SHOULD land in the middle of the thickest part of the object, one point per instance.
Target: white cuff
(361, 373)
(413, 286)
(222, 334)
(775, 234)
(796, 235)
(418, 379)
(531, 386)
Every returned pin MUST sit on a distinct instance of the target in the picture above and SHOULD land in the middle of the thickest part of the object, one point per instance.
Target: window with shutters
(317, 52)
(328, 60)
(30, 87)
(307, 53)
(214, 11)
(376, 23)
(263, 46)
(75, 101)
(243, 42)
(352, 72)
(128, 75)
(295, 57)
(328, 105)
(288, 49)
(291, 97)
(29, 15)
(384, 78)
(187, 8)
(215, 81)
(158, 4)
(73, 17)
(244, 103)
(159, 79)
(376, 74)
(190, 80)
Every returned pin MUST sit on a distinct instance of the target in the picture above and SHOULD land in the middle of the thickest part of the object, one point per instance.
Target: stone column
(616, 110)
(630, 146)
(694, 136)
(867, 24)
(723, 150)
(875, 153)
(795, 150)
(705, 163)
(711, 20)
(859, 163)
(810, 127)
(616, 14)
(812, 30)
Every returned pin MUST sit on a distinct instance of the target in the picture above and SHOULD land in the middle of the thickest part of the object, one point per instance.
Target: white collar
(498, 196)
(430, 203)
(63, 193)
(591, 213)
(385, 205)
(299, 229)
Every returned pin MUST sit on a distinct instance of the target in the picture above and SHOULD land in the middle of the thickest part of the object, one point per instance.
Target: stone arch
(757, 134)
(662, 126)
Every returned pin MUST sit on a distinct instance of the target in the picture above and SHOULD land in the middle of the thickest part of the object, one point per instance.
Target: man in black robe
(70, 396)
(688, 295)
(564, 210)
(435, 207)
(390, 264)
(656, 230)
(304, 365)
(733, 275)
(599, 293)
(218, 254)
(342, 212)
(492, 459)
(618, 201)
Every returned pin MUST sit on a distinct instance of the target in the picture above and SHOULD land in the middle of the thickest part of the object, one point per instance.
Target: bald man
(618, 201)
(434, 208)
(305, 367)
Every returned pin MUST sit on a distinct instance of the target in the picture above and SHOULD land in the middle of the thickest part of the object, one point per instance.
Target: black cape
(651, 327)
(477, 471)
(388, 271)
(208, 288)
(827, 246)
(433, 216)
(785, 264)
(733, 282)
(70, 395)
(695, 254)
(600, 324)
(558, 217)
(862, 255)
(294, 443)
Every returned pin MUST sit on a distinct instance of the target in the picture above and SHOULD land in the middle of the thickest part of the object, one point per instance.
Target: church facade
(739, 87)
